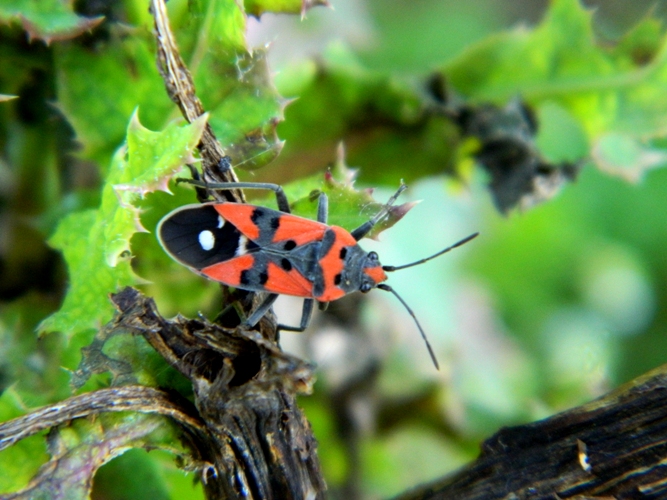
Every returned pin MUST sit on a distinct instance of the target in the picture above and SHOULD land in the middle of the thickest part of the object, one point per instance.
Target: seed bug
(263, 250)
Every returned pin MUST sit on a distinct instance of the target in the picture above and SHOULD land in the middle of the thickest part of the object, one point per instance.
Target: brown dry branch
(181, 89)
(128, 398)
(614, 448)
(258, 443)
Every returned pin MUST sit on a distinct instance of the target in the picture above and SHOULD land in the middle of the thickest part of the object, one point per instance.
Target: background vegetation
(550, 307)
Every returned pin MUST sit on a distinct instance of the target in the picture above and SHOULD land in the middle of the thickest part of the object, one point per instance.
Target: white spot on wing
(241, 250)
(221, 221)
(206, 240)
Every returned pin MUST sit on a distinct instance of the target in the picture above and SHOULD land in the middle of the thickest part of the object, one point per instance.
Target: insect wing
(259, 273)
(197, 236)
(220, 241)
(277, 234)
(298, 230)
(265, 226)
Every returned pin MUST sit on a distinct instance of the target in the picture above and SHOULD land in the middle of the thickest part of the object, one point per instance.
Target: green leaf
(86, 305)
(258, 7)
(95, 243)
(557, 55)
(236, 86)
(560, 137)
(379, 117)
(349, 207)
(47, 20)
(615, 91)
(150, 474)
(100, 87)
(41, 380)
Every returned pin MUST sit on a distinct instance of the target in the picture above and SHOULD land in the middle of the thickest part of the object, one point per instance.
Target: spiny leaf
(348, 207)
(84, 307)
(46, 20)
(237, 87)
(99, 88)
(95, 243)
(234, 84)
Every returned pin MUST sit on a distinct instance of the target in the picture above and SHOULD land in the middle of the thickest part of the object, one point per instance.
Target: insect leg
(365, 228)
(261, 310)
(306, 315)
(323, 208)
(307, 312)
(202, 194)
(281, 198)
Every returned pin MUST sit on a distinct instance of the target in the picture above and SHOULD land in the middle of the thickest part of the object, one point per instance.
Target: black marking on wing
(257, 214)
(286, 264)
(324, 248)
(267, 221)
(179, 234)
(266, 217)
(255, 278)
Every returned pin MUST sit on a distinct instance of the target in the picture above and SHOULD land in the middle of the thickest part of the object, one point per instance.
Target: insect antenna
(387, 288)
(421, 261)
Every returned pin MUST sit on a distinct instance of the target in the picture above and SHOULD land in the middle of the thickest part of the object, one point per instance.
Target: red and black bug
(263, 250)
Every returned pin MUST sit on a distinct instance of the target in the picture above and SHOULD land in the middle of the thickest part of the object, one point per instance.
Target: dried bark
(181, 89)
(612, 448)
(257, 442)
(128, 398)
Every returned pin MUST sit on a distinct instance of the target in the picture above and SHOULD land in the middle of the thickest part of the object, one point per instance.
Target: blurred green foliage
(545, 310)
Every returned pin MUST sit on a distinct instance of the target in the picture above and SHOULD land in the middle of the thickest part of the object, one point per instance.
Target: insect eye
(365, 288)
(373, 255)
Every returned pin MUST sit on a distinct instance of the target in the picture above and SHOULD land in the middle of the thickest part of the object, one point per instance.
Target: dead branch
(259, 443)
(612, 448)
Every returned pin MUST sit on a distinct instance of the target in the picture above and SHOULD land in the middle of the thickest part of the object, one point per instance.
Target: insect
(263, 250)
